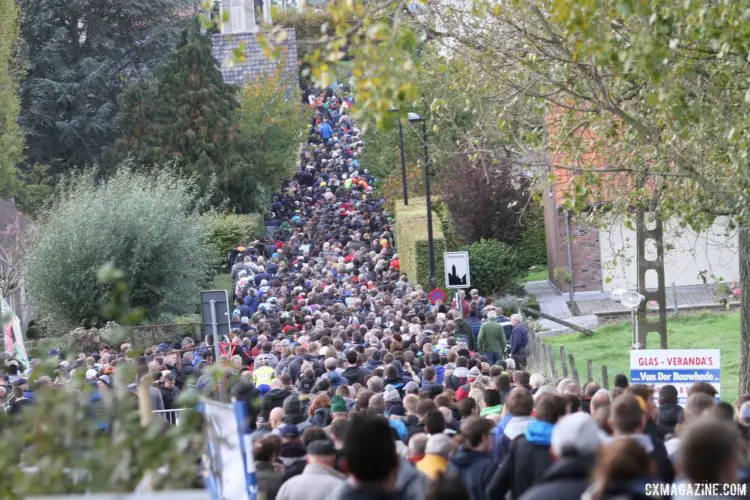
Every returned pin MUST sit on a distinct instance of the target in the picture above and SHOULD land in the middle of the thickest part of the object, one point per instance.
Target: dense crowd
(359, 388)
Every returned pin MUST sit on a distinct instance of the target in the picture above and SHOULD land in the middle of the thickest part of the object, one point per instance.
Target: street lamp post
(403, 157)
(403, 162)
(415, 118)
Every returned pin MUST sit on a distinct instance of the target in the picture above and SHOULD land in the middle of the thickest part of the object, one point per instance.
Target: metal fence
(171, 416)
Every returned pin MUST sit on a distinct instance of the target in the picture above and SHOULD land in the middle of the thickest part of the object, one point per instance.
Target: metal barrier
(171, 416)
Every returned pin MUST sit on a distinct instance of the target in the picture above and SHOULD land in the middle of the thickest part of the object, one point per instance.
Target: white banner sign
(678, 367)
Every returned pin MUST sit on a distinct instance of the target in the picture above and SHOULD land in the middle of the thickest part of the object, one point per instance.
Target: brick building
(603, 258)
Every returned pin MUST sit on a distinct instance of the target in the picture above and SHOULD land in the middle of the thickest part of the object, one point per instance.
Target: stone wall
(256, 63)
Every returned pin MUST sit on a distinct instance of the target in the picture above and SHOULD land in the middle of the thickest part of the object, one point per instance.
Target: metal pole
(634, 328)
(571, 285)
(430, 243)
(459, 304)
(403, 162)
(215, 331)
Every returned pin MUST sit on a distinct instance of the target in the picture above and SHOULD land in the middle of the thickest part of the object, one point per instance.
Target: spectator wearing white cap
(575, 441)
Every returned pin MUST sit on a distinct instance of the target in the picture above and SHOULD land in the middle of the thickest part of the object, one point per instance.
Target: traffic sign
(436, 295)
(457, 270)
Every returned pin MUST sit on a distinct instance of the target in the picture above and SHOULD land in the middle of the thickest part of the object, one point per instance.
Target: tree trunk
(744, 253)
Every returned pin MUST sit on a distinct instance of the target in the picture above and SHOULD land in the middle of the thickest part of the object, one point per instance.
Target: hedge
(230, 228)
(412, 244)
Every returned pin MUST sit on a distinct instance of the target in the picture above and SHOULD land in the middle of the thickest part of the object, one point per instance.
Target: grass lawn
(224, 282)
(539, 275)
(611, 345)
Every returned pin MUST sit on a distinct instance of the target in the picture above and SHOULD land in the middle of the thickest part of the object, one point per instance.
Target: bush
(149, 226)
(229, 229)
(495, 267)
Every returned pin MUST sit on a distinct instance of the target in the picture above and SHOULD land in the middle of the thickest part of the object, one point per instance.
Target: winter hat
(391, 394)
(338, 405)
(411, 388)
(292, 406)
(289, 431)
(575, 434)
(474, 373)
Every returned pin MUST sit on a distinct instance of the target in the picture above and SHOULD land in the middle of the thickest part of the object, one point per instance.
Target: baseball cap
(306, 385)
(575, 434)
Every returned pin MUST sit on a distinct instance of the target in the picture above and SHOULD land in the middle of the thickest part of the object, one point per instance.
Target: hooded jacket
(354, 375)
(475, 468)
(565, 479)
(528, 458)
(274, 399)
(335, 378)
(506, 431)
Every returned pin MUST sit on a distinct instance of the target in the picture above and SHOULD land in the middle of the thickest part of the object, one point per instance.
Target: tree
(486, 199)
(272, 124)
(11, 139)
(188, 115)
(81, 55)
(148, 225)
(645, 103)
(11, 258)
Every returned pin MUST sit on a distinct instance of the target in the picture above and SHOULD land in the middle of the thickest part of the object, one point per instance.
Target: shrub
(495, 267)
(149, 226)
(230, 228)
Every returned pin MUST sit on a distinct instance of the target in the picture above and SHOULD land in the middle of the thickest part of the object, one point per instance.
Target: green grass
(611, 345)
(224, 282)
(538, 275)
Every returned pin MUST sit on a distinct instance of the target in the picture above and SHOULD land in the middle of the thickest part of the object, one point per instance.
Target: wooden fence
(557, 363)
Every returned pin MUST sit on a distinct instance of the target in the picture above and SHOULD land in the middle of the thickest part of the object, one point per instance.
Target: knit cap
(338, 405)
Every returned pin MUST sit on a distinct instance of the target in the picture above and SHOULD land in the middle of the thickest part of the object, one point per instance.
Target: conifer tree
(187, 114)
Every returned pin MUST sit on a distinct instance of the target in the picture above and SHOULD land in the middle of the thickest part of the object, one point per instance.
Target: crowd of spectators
(359, 388)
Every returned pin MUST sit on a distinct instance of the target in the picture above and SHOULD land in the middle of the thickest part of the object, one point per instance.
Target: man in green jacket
(491, 339)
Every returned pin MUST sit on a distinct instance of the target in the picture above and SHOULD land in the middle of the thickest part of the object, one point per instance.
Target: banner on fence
(12, 334)
(229, 465)
(678, 367)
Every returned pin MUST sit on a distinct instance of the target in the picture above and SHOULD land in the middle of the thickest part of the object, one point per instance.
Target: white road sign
(457, 270)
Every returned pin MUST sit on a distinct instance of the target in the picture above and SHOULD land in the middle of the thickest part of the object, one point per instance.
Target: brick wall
(256, 63)
(585, 249)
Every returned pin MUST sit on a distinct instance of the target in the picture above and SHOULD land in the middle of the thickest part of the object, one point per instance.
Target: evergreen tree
(81, 55)
(190, 116)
